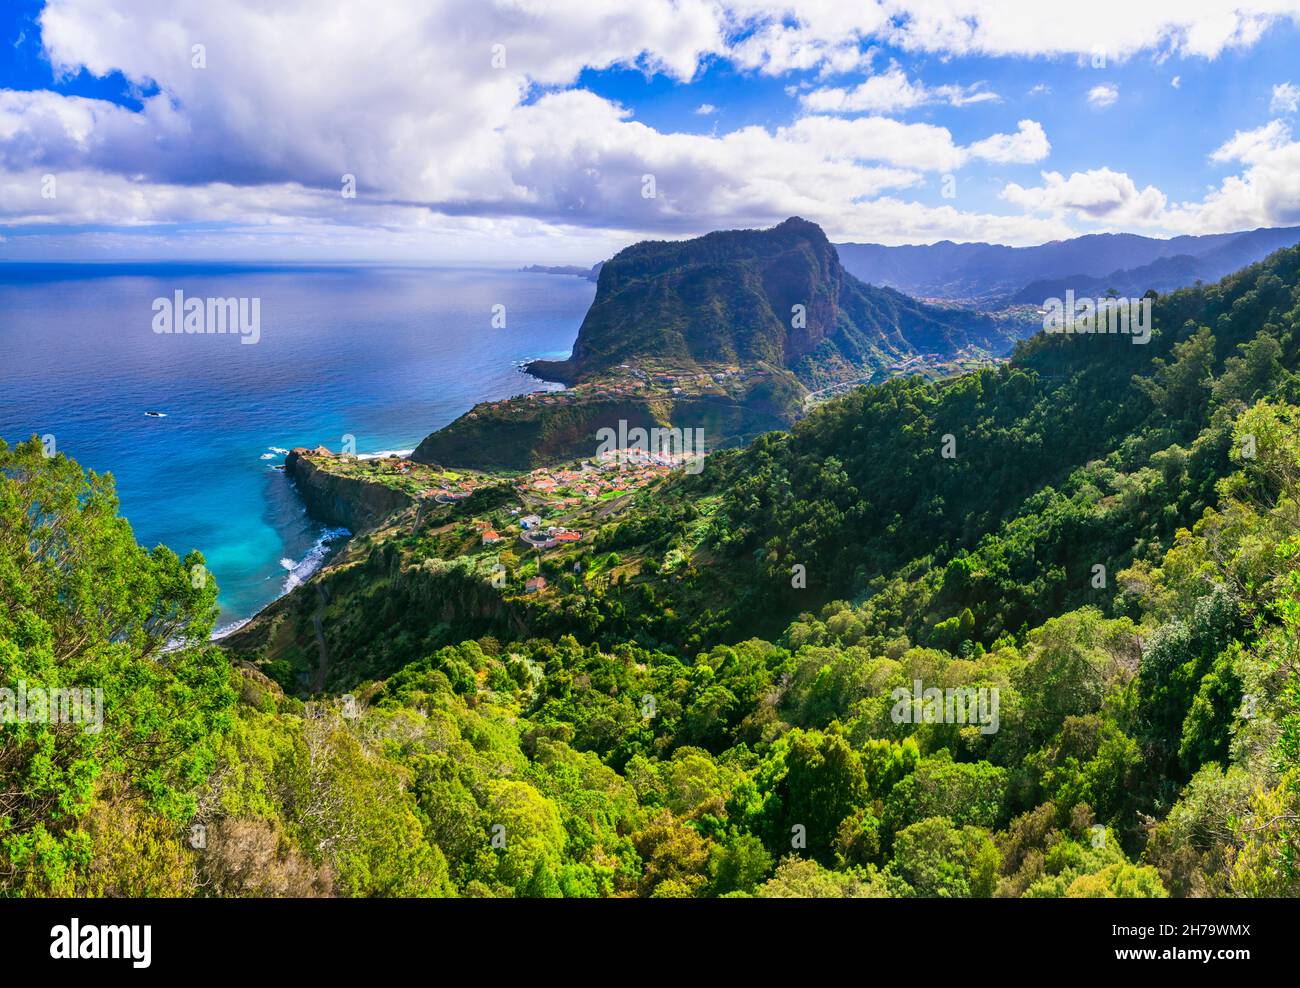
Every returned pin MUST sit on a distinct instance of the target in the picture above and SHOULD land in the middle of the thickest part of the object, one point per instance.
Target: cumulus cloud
(1267, 193)
(1251, 145)
(597, 154)
(1103, 96)
(460, 117)
(261, 132)
(917, 145)
(829, 35)
(1286, 98)
(1120, 28)
(1099, 194)
(1028, 144)
(891, 92)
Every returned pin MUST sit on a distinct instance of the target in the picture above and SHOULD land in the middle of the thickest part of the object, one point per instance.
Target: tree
(739, 864)
(1180, 388)
(83, 608)
(812, 780)
(940, 860)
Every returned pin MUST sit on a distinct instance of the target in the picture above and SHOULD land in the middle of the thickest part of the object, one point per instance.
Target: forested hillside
(1098, 540)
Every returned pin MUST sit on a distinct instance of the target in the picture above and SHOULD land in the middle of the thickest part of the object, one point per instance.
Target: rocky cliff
(778, 297)
(349, 502)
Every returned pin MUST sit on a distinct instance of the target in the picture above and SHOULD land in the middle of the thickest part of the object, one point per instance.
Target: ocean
(383, 354)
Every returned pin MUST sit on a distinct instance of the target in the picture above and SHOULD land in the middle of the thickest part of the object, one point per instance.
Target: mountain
(992, 274)
(1109, 557)
(779, 297)
(1027, 498)
(733, 333)
(1168, 273)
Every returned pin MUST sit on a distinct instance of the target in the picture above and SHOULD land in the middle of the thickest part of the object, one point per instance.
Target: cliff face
(742, 297)
(348, 502)
(520, 436)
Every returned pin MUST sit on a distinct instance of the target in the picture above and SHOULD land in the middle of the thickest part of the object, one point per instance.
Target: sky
(559, 131)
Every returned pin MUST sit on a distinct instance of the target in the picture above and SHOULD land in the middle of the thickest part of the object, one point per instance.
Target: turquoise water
(383, 354)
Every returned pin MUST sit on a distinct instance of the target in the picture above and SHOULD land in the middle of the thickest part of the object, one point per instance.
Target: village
(552, 508)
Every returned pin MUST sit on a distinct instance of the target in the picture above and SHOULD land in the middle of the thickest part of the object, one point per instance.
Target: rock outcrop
(348, 502)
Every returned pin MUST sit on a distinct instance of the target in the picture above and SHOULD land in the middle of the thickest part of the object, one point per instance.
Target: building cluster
(535, 535)
(613, 472)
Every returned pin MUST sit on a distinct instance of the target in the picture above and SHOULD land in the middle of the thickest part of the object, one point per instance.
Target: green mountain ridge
(728, 332)
(731, 297)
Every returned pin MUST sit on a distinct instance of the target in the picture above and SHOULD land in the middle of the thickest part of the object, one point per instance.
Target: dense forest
(1099, 540)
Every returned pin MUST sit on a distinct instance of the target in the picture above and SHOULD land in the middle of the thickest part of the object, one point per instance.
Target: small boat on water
(156, 415)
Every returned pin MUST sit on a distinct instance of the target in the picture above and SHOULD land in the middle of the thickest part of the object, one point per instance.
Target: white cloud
(1099, 194)
(914, 145)
(825, 35)
(1286, 98)
(890, 221)
(1176, 81)
(570, 157)
(261, 137)
(706, 109)
(829, 35)
(1028, 144)
(443, 144)
(1189, 28)
(1267, 193)
(1252, 145)
(892, 92)
(1100, 97)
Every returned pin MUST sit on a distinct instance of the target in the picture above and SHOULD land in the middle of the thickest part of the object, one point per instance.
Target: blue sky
(476, 131)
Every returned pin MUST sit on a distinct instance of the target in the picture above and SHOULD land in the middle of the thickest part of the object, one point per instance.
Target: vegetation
(728, 697)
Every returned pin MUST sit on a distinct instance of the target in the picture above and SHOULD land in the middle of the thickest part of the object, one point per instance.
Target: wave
(383, 453)
(229, 629)
(298, 572)
(314, 559)
(278, 449)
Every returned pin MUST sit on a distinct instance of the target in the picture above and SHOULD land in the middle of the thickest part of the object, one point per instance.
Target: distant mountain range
(993, 275)
(778, 297)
